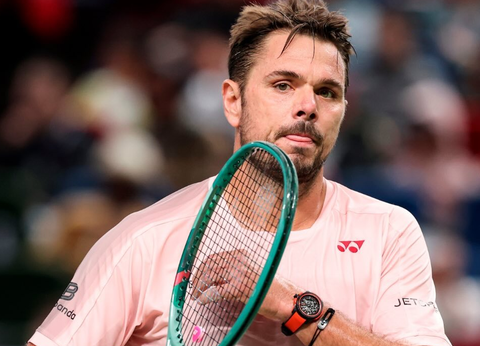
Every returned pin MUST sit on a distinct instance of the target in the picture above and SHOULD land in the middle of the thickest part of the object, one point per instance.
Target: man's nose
(307, 105)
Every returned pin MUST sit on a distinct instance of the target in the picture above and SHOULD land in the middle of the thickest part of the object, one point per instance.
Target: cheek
(334, 127)
(338, 113)
(256, 127)
(338, 124)
(259, 114)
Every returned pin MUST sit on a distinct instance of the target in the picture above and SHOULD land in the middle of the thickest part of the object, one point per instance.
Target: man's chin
(307, 170)
(300, 159)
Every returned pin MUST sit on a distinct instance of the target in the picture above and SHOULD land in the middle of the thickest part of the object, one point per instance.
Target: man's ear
(232, 102)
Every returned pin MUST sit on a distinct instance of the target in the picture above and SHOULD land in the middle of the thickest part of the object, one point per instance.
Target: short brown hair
(310, 17)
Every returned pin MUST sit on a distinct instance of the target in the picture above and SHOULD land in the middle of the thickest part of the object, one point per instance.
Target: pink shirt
(366, 258)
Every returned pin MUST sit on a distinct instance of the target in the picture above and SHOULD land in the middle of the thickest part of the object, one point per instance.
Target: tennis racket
(234, 248)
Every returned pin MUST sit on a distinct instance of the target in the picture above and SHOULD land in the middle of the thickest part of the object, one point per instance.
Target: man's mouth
(301, 133)
(301, 138)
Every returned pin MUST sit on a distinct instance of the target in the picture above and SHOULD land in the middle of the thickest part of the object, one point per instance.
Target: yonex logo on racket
(197, 334)
(351, 245)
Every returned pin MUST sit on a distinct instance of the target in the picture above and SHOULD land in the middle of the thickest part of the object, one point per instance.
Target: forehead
(305, 55)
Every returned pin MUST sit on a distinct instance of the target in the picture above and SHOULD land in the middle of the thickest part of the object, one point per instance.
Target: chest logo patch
(351, 245)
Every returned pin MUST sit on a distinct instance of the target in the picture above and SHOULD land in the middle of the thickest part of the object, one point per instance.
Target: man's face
(295, 100)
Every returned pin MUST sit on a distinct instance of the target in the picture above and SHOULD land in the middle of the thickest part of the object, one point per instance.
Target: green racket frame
(273, 260)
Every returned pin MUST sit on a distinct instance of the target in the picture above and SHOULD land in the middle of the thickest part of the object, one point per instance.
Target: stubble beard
(307, 173)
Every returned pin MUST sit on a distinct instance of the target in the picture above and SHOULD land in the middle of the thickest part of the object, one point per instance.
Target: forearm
(342, 332)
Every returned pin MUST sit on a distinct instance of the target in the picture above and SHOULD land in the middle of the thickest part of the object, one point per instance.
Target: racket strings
(242, 226)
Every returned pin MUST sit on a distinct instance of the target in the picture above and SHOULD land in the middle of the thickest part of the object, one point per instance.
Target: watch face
(309, 305)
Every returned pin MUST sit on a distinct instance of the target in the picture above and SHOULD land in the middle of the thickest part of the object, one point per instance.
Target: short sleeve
(101, 303)
(405, 307)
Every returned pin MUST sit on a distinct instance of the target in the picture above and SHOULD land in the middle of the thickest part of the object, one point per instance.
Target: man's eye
(282, 86)
(327, 93)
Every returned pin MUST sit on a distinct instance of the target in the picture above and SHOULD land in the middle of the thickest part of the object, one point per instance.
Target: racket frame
(248, 313)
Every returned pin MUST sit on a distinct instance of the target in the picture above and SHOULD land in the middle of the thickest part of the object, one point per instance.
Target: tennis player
(356, 270)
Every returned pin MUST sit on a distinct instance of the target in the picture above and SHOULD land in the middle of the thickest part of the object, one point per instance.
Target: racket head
(278, 167)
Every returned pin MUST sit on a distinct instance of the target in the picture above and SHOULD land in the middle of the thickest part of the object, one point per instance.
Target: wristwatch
(307, 308)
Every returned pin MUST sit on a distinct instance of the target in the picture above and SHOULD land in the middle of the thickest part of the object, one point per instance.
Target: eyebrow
(291, 74)
(332, 83)
(284, 73)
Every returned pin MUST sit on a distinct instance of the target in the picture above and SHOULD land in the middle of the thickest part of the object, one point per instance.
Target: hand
(232, 275)
(229, 275)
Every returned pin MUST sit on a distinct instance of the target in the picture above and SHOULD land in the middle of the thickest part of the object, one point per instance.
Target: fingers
(211, 272)
(227, 275)
(210, 295)
(227, 291)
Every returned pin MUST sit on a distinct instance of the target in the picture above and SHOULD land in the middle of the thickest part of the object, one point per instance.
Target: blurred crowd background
(106, 106)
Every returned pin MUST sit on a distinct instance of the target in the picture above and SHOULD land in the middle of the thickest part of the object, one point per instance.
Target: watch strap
(291, 325)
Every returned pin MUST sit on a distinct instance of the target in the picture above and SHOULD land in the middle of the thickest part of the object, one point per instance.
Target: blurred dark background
(107, 106)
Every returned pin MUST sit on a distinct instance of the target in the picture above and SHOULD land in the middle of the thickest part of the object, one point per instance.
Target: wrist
(278, 303)
(307, 308)
(322, 324)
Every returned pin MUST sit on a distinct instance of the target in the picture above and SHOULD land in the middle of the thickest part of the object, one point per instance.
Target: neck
(310, 204)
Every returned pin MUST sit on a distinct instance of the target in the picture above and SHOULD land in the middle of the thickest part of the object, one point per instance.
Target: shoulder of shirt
(347, 200)
(172, 216)
(180, 205)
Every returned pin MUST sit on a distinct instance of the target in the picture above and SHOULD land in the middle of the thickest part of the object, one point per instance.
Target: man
(365, 259)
